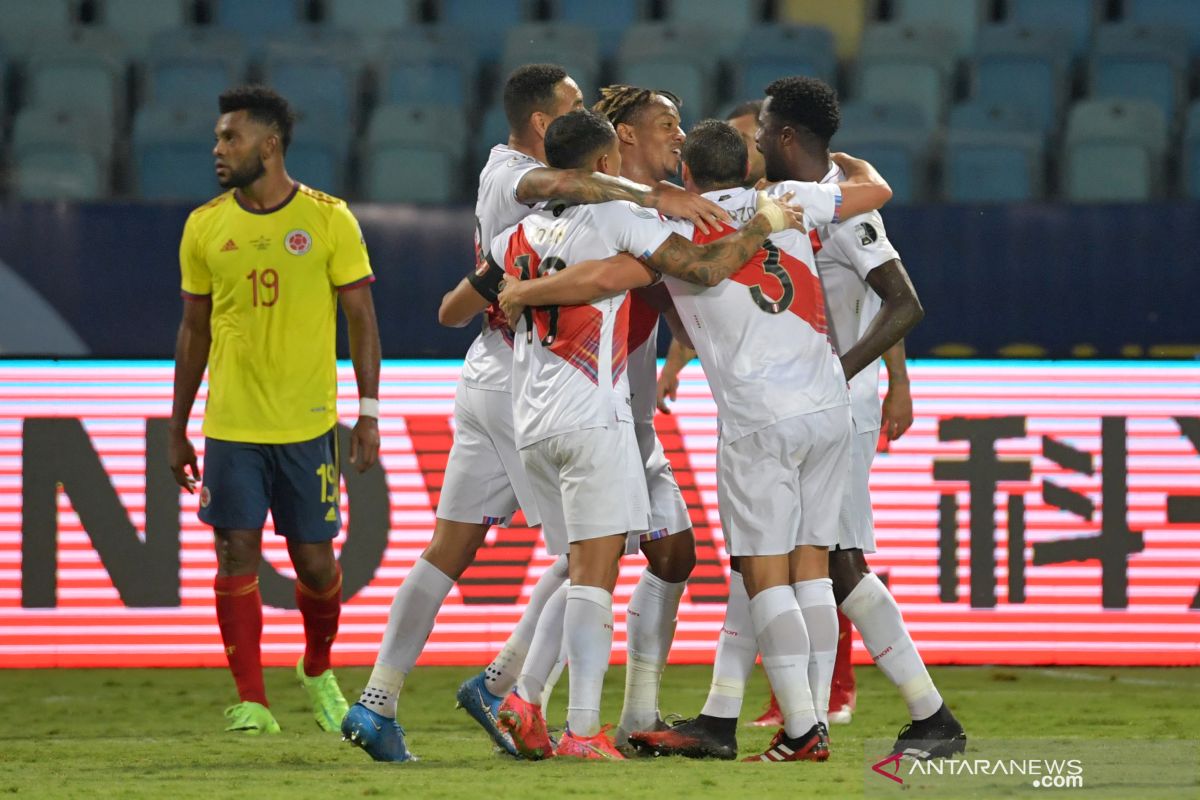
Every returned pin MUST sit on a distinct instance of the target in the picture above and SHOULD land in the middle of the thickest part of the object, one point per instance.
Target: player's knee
(238, 552)
(673, 558)
(846, 568)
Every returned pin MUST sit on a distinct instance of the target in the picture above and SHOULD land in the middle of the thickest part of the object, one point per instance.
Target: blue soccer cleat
(483, 706)
(380, 737)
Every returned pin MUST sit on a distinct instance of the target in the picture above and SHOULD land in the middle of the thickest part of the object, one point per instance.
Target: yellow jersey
(273, 277)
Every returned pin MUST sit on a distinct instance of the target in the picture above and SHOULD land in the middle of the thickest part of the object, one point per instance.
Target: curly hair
(807, 103)
(263, 105)
(622, 103)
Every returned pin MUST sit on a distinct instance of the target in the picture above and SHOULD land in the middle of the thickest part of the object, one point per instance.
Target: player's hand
(855, 168)
(897, 410)
(780, 212)
(364, 443)
(510, 303)
(668, 387)
(181, 455)
(762, 184)
(700, 211)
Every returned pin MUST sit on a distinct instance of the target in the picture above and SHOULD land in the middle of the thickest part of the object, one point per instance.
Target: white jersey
(488, 364)
(761, 334)
(643, 358)
(848, 251)
(569, 371)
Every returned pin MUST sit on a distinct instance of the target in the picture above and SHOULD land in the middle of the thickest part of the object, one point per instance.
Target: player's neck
(268, 192)
(810, 166)
(638, 172)
(535, 149)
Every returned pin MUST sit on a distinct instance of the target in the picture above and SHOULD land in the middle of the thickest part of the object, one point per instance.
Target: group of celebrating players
(775, 270)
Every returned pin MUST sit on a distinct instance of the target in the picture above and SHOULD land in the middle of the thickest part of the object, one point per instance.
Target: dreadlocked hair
(621, 103)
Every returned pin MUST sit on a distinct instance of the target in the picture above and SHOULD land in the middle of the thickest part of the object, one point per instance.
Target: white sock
(650, 628)
(555, 674)
(819, 608)
(589, 630)
(783, 640)
(501, 675)
(874, 612)
(410, 621)
(545, 649)
(736, 651)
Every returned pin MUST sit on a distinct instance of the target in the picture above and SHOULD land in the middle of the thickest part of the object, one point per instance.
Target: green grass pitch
(137, 733)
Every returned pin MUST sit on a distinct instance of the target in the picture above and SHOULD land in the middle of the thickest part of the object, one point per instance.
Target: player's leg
(546, 652)
(234, 500)
(843, 692)
(500, 676)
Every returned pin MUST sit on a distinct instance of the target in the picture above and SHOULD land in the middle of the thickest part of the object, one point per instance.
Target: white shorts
(668, 510)
(485, 481)
(782, 486)
(856, 525)
(588, 484)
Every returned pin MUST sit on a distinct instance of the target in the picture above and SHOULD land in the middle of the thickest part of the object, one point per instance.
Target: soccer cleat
(937, 736)
(251, 718)
(626, 748)
(380, 737)
(690, 738)
(810, 746)
(523, 721)
(328, 705)
(483, 706)
(598, 747)
(771, 717)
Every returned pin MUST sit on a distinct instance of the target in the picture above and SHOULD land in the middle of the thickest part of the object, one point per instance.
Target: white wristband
(368, 407)
(774, 214)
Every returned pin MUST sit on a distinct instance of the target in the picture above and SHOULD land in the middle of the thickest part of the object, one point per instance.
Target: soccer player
(264, 266)
(484, 481)
(744, 117)
(572, 413)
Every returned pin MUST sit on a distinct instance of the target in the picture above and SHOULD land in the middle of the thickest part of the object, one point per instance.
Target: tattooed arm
(712, 263)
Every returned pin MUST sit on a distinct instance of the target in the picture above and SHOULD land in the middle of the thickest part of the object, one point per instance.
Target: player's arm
(897, 404)
(472, 295)
(863, 188)
(900, 313)
(577, 284)
(679, 355)
(359, 308)
(581, 187)
(192, 344)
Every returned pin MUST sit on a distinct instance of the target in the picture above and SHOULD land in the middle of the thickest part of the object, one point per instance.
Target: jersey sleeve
(822, 202)
(509, 178)
(630, 228)
(196, 280)
(862, 244)
(349, 265)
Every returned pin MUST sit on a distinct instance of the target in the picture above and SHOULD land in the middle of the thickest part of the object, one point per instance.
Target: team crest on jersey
(205, 497)
(866, 233)
(297, 242)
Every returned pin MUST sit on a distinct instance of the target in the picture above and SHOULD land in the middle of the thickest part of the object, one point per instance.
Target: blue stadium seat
(50, 128)
(907, 65)
(61, 173)
(924, 43)
(895, 139)
(482, 19)
(1023, 66)
(961, 17)
(138, 21)
(319, 151)
(425, 64)
(1191, 152)
(492, 131)
(189, 67)
(1133, 60)
(772, 51)
(255, 21)
(608, 20)
(23, 22)
(1180, 15)
(1115, 151)
(992, 166)
(369, 16)
(172, 153)
(414, 154)
(728, 19)
(981, 115)
(316, 84)
(572, 47)
(676, 58)
(80, 70)
(1074, 19)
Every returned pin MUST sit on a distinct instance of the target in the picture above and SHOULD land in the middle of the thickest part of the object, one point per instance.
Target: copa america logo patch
(866, 233)
(297, 242)
(205, 497)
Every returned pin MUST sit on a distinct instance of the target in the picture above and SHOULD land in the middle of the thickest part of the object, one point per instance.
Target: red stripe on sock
(843, 670)
(321, 609)
(239, 615)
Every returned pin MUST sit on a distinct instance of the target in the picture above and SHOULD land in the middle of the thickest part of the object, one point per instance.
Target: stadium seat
(413, 154)
(172, 153)
(1072, 19)
(492, 131)
(319, 151)
(961, 17)
(482, 20)
(315, 84)
(1191, 152)
(189, 67)
(424, 64)
(1115, 151)
(79, 70)
(1133, 60)
(257, 20)
(992, 166)
(1180, 15)
(673, 57)
(772, 51)
(895, 139)
(902, 64)
(981, 115)
(138, 21)
(365, 17)
(58, 174)
(24, 22)
(1023, 66)
(932, 44)
(845, 19)
(573, 47)
(608, 20)
(41, 128)
(728, 19)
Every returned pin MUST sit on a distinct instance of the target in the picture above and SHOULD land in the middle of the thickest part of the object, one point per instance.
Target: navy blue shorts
(298, 482)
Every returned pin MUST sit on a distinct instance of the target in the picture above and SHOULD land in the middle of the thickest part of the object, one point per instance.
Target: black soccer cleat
(938, 736)
(690, 738)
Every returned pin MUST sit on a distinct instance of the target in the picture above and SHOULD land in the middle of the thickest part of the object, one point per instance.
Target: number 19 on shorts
(329, 482)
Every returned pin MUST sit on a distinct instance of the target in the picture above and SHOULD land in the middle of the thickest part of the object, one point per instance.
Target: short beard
(240, 179)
